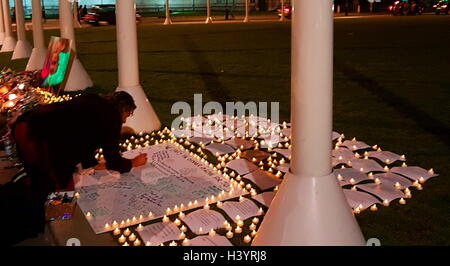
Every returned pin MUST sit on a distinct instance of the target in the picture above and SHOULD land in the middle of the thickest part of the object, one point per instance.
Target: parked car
(400, 8)
(441, 7)
(287, 11)
(103, 13)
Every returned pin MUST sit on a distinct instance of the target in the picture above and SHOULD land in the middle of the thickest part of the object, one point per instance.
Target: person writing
(53, 139)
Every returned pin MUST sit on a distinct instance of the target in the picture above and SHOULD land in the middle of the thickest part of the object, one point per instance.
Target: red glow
(444, 6)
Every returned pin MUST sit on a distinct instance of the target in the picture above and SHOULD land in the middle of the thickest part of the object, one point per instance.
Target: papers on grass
(241, 166)
(245, 209)
(414, 172)
(202, 221)
(366, 165)
(349, 176)
(385, 156)
(359, 199)
(263, 179)
(219, 149)
(265, 198)
(216, 240)
(159, 233)
(171, 177)
(384, 192)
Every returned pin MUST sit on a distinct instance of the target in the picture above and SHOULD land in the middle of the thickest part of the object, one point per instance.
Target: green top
(58, 76)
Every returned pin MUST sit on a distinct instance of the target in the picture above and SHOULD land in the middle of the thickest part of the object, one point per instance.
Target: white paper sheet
(413, 172)
(344, 153)
(200, 140)
(219, 148)
(238, 142)
(241, 166)
(263, 179)
(181, 133)
(216, 240)
(285, 152)
(367, 165)
(357, 198)
(385, 192)
(245, 209)
(158, 233)
(171, 177)
(350, 173)
(258, 155)
(265, 198)
(385, 156)
(205, 219)
(335, 135)
(355, 145)
(390, 179)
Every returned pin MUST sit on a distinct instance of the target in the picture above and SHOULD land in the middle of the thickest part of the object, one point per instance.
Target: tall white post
(78, 77)
(76, 22)
(9, 42)
(144, 118)
(208, 12)
(2, 24)
(39, 51)
(246, 11)
(310, 207)
(282, 10)
(168, 20)
(23, 47)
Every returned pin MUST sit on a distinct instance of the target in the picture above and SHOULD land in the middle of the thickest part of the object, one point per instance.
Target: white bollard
(9, 42)
(282, 10)
(246, 11)
(208, 12)
(2, 24)
(39, 51)
(310, 207)
(23, 47)
(144, 118)
(168, 20)
(78, 77)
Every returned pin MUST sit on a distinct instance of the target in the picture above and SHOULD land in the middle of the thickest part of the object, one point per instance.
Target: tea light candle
(148, 243)
(115, 224)
(230, 234)
(255, 220)
(252, 227)
(122, 239)
(122, 223)
(212, 232)
(402, 201)
(219, 204)
(247, 239)
(107, 226)
(206, 207)
(240, 223)
(132, 237)
(183, 228)
(181, 215)
(139, 228)
(186, 242)
(165, 219)
(116, 232)
(88, 215)
(238, 230)
(137, 242)
(182, 236)
(126, 244)
(177, 222)
(385, 202)
(127, 232)
(260, 211)
(253, 234)
(373, 207)
(77, 195)
(128, 222)
(150, 214)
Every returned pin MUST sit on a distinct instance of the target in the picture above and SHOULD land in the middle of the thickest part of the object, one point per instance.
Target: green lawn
(391, 88)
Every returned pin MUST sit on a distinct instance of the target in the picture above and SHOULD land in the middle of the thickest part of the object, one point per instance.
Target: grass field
(391, 88)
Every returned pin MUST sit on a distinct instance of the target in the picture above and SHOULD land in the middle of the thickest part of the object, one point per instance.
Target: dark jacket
(74, 129)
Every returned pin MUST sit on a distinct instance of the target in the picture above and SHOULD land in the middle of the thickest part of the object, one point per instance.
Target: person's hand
(139, 160)
(100, 166)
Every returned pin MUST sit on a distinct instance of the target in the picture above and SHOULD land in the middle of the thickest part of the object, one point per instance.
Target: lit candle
(253, 234)
(107, 226)
(77, 195)
(181, 215)
(122, 223)
(115, 224)
(173, 244)
(127, 232)
(177, 222)
(200, 230)
(132, 237)
(402, 201)
(386, 168)
(219, 204)
(125, 244)
(206, 207)
(165, 219)
(212, 232)
(88, 215)
(373, 207)
(183, 228)
(230, 234)
(139, 228)
(255, 220)
(116, 232)
(148, 243)
(122, 239)
(356, 210)
(385, 202)
(150, 214)
(182, 236)
(240, 223)
(137, 242)
(421, 180)
(252, 227)
(247, 239)
(185, 242)
(260, 211)
(238, 230)
(397, 185)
